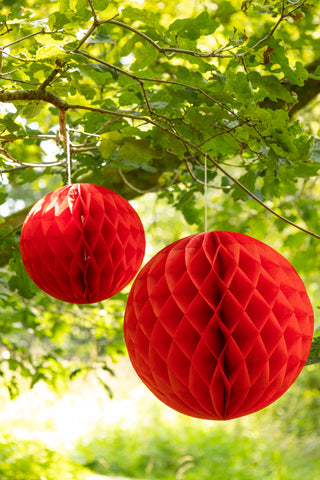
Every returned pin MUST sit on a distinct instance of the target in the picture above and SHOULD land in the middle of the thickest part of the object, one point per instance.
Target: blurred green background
(81, 432)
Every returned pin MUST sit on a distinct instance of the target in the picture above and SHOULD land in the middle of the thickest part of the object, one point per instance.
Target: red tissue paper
(82, 243)
(218, 325)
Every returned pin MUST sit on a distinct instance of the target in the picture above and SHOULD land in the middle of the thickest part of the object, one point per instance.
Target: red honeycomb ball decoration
(218, 325)
(82, 243)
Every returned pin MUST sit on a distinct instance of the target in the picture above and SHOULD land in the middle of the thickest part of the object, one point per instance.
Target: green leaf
(158, 105)
(136, 150)
(107, 8)
(225, 11)
(107, 388)
(20, 280)
(75, 373)
(144, 52)
(269, 86)
(272, 168)
(31, 110)
(315, 155)
(162, 138)
(314, 355)
(305, 147)
(86, 91)
(82, 5)
(306, 170)
(9, 123)
(194, 28)
(55, 39)
(222, 145)
(239, 85)
(97, 72)
(64, 5)
(49, 51)
(100, 38)
(248, 180)
(278, 57)
(130, 151)
(142, 15)
(58, 20)
(109, 143)
(316, 74)
(186, 203)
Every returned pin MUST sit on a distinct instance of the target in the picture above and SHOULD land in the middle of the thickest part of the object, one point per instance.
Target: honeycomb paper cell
(82, 243)
(218, 325)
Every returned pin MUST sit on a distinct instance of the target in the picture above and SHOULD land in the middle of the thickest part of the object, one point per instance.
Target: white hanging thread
(205, 194)
(68, 155)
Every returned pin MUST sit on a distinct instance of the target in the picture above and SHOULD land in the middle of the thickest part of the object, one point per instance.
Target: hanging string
(65, 140)
(68, 155)
(205, 194)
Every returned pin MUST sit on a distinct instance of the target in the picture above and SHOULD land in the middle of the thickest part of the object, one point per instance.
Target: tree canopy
(145, 94)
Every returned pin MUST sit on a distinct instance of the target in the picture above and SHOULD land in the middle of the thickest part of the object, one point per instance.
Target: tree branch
(15, 80)
(48, 80)
(42, 31)
(9, 96)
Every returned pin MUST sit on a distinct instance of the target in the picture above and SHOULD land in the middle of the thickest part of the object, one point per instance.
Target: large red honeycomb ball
(82, 243)
(218, 325)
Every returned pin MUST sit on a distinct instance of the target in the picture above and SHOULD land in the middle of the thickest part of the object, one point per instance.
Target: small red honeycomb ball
(82, 243)
(218, 325)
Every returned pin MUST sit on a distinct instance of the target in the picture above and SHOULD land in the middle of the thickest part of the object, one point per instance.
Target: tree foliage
(143, 93)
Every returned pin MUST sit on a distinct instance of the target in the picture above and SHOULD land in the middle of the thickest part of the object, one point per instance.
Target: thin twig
(94, 13)
(33, 165)
(20, 137)
(15, 80)
(80, 149)
(86, 36)
(25, 60)
(150, 190)
(11, 231)
(95, 24)
(224, 132)
(10, 170)
(145, 97)
(132, 187)
(42, 31)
